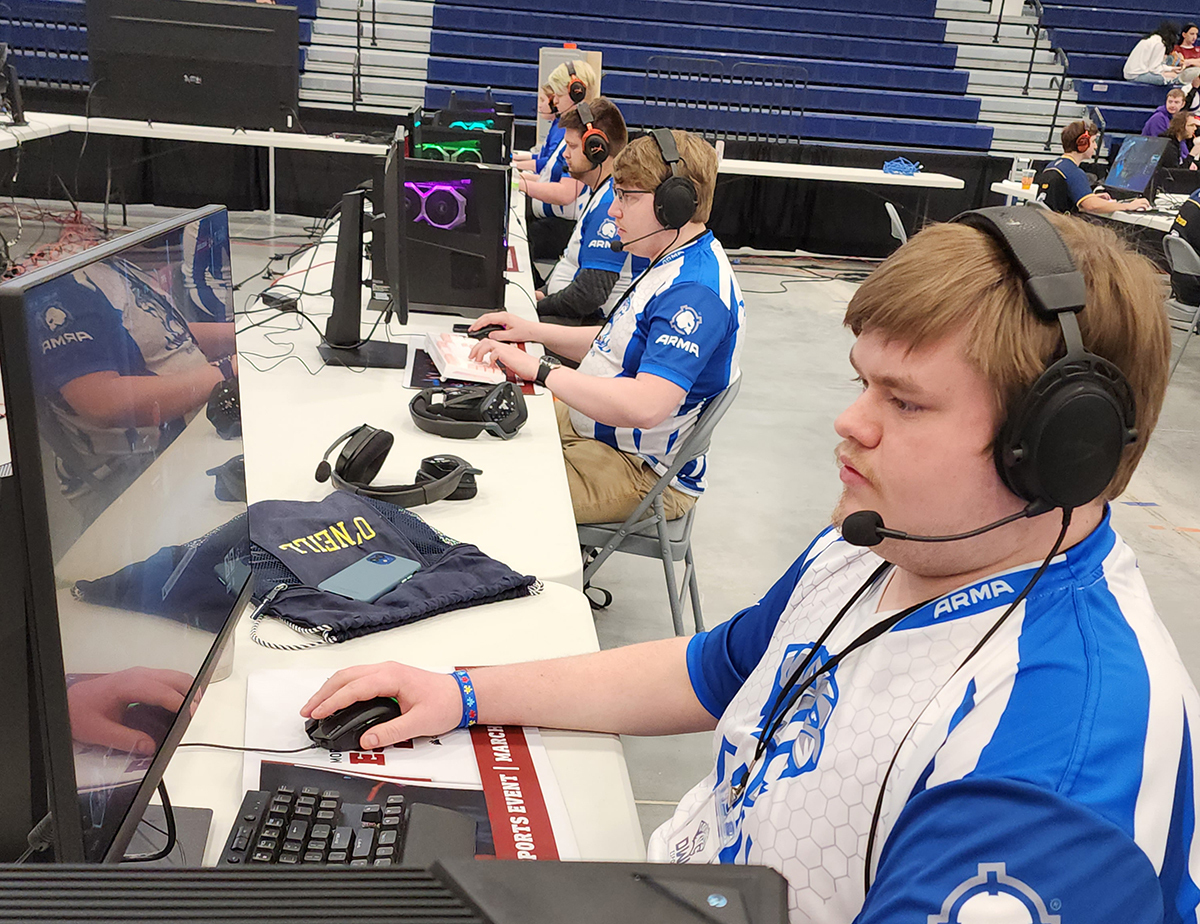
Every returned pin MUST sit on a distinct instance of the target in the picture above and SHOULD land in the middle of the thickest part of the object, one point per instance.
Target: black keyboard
(310, 825)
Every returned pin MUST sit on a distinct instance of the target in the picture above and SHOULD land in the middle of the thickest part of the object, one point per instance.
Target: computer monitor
(199, 62)
(1132, 173)
(454, 240)
(129, 550)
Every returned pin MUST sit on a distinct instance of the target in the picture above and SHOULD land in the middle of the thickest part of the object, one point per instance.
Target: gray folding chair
(1183, 259)
(647, 531)
(898, 231)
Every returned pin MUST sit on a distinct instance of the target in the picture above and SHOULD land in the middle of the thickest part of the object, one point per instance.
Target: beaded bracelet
(470, 708)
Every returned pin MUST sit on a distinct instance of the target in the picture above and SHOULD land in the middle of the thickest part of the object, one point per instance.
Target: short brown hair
(953, 277)
(1070, 135)
(1177, 128)
(641, 166)
(1175, 91)
(606, 117)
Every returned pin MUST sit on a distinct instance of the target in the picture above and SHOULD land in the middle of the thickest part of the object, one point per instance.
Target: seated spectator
(1160, 119)
(1186, 50)
(1149, 63)
(671, 345)
(1181, 131)
(1187, 226)
(1063, 185)
(590, 276)
(554, 195)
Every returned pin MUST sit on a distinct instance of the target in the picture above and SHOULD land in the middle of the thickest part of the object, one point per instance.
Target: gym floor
(773, 480)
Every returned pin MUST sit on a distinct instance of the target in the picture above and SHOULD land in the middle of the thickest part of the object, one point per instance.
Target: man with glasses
(590, 275)
(671, 345)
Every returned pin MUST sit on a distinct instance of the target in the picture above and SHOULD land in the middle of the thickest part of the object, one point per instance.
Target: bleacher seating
(909, 95)
(48, 39)
(1097, 36)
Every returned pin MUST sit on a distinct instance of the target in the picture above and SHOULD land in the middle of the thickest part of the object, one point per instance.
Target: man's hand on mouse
(516, 329)
(431, 702)
(96, 705)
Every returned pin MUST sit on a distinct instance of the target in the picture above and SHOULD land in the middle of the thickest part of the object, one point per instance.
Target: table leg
(271, 176)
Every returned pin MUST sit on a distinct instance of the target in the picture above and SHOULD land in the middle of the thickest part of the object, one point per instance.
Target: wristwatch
(546, 365)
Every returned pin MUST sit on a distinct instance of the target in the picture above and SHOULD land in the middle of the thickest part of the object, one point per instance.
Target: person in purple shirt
(1161, 117)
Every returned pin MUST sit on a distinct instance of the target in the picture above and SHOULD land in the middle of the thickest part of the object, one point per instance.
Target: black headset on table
(1058, 448)
(443, 477)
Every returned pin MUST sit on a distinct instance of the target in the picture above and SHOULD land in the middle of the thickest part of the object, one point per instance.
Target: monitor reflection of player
(100, 705)
(122, 372)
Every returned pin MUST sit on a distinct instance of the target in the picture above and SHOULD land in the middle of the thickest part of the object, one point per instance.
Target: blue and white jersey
(551, 143)
(1051, 779)
(682, 320)
(206, 273)
(589, 248)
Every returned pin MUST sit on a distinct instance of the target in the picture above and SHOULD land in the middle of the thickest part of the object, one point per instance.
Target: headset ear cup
(675, 201)
(577, 90)
(595, 146)
(1064, 440)
(436, 467)
(361, 466)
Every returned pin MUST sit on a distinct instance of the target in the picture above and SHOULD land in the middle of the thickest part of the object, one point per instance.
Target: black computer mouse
(341, 730)
(485, 331)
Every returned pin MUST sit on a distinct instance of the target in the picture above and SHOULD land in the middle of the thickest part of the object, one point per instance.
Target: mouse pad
(273, 774)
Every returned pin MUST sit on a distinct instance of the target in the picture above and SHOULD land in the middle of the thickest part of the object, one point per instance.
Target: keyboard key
(363, 842)
(321, 832)
(395, 800)
(385, 851)
(358, 863)
(266, 843)
(292, 846)
(393, 810)
(371, 814)
(383, 861)
(303, 811)
(284, 790)
(392, 821)
(387, 838)
(290, 858)
(326, 816)
(337, 856)
(331, 794)
(240, 843)
(314, 856)
(262, 856)
(310, 801)
(310, 791)
(327, 805)
(297, 830)
(343, 839)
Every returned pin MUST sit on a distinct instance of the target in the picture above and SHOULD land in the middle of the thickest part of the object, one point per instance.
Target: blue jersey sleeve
(1077, 181)
(553, 137)
(597, 231)
(685, 328)
(1000, 850)
(720, 660)
(76, 331)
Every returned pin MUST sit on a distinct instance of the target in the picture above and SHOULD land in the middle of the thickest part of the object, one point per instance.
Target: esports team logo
(608, 229)
(56, 317)
(993, 895)
(686, 320)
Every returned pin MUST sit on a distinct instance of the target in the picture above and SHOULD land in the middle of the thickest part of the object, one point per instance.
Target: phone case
(371, 577)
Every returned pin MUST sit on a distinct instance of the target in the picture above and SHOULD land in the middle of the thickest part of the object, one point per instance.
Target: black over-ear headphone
(595, 142)
(1063, 438)
(576, 88)
(366, 449)
(675, 199)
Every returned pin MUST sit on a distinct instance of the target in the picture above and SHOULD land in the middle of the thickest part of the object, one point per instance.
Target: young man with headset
(555, 197)
(590, 274)
(991, 727)
(669, 347)
(1063, 185)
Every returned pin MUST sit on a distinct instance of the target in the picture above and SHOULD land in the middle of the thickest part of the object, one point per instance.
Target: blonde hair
(641, 166)
(560, 77)
(952, 277)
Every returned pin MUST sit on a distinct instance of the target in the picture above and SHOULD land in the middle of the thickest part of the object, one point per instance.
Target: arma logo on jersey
(686, 320)
(608, 229)
(993, 895)
(56, 317)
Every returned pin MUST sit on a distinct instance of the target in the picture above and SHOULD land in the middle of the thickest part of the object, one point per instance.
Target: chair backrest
(898, 231)
(1181, 256)
(697, 442)
(1052, 190)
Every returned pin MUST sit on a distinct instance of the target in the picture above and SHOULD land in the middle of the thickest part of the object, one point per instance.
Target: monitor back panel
(197, 62)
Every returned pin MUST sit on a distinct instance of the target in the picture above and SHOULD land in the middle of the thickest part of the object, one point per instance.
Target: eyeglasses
(623, 194)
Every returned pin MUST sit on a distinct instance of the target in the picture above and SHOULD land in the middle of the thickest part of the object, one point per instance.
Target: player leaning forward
(932, 732)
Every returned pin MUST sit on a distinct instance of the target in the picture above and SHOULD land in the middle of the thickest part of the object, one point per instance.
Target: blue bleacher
(909, 93)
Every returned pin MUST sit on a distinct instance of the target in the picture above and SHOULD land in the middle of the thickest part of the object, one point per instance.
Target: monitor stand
(372, 354)
(191, 836)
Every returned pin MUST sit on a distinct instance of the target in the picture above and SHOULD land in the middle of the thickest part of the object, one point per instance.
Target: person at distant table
(1063, 185)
